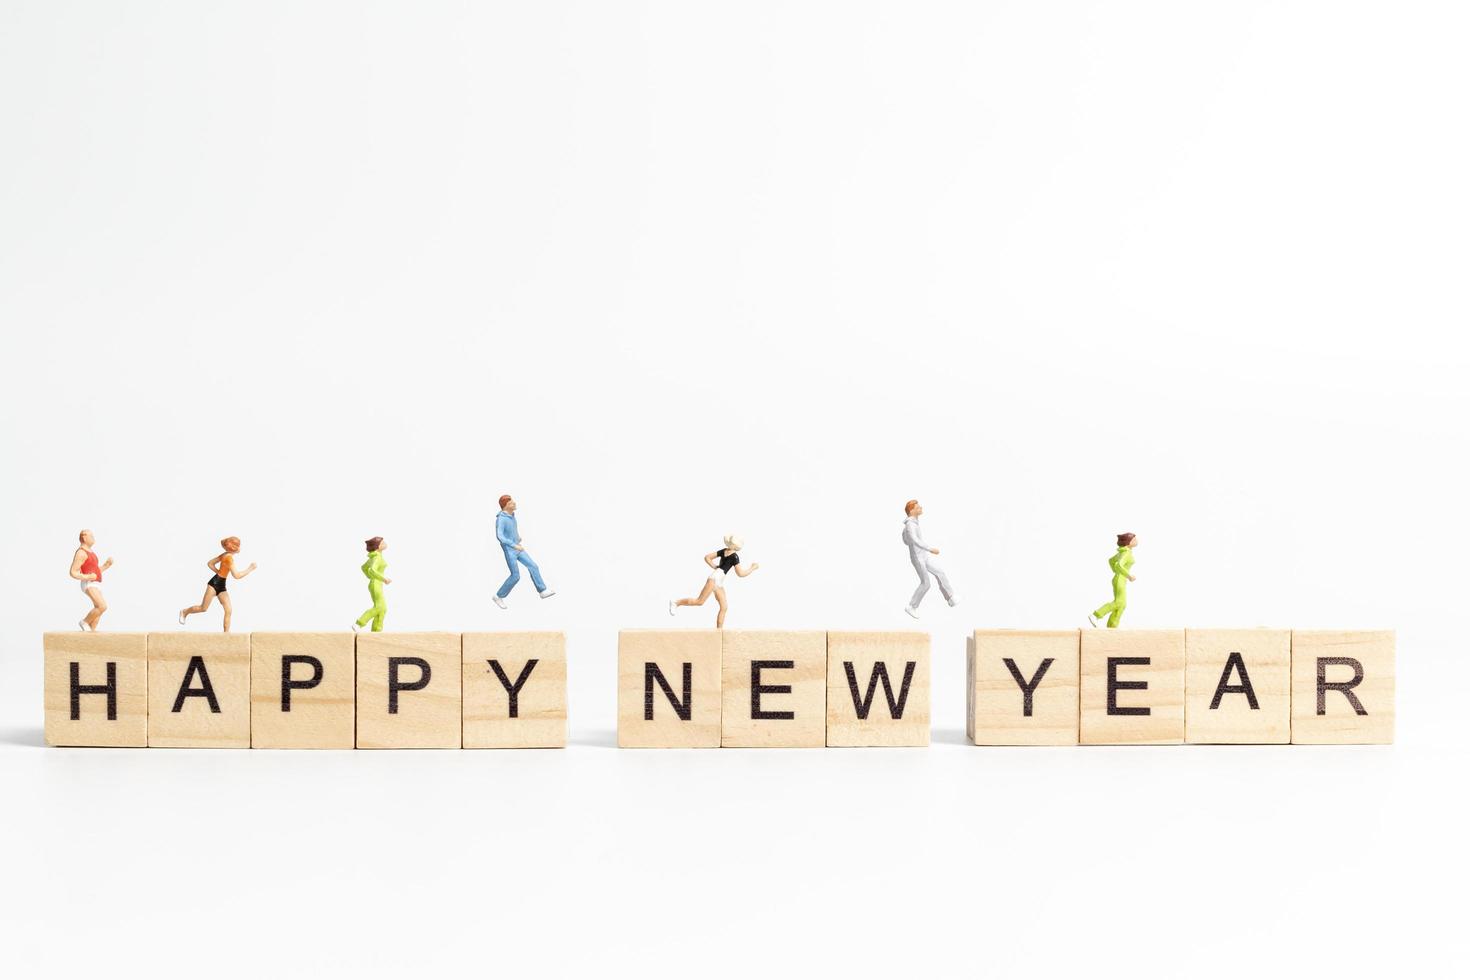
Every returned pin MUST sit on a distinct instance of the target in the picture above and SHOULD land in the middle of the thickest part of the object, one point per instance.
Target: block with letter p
(1132, 687)
(877, 689)
(96, 689)
(669, 689)
(303, 690)
(1342, 687)
(408, 690)
(775, 689)
(199, 690)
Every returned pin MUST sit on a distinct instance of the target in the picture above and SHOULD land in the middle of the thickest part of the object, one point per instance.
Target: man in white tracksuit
(919, 554)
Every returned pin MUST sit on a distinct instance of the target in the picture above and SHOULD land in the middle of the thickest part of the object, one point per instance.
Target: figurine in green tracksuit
(1122, 566)
(374, 568)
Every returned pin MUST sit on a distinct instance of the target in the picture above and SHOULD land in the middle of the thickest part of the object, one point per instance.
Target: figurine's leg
(99, 606)
(942, 579)
(224, 600)
(720, 619)
(515, 576)
(709, 587)
(923, 588)
(535, 571)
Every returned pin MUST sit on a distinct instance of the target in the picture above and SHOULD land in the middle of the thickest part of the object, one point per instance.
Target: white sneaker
(355, 627)
(911, 611)
(547, 593)
(181, 619)
(673, 604)
(82, 624)
(498, 601)
(1091, 620)
(953, 602)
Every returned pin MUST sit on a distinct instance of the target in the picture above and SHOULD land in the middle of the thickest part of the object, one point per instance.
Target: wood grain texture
(806, 700)
(669, 651)
(853, 661)
(1163, 698)
(1338, 722)
(1265, 657)
(196, 725)
(540, 719)
(92, 652)
(428, 718)
(320, 717)
(997, 701)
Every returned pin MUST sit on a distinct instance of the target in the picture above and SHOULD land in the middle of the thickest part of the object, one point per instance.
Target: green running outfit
(374, 568)
(1121, 564)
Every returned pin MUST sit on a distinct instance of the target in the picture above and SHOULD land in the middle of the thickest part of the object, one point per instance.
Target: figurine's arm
(76, 567)
(744, 570)
(502, 535)
(213, 565)
(374, 573)
(710, 559)
(236, 573)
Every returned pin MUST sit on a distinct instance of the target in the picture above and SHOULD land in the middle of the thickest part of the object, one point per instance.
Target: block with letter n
(669, 689)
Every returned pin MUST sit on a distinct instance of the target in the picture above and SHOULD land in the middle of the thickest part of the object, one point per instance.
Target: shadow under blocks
(1167, 687)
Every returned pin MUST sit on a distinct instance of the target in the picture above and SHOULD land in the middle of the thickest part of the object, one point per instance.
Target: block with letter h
(96, 689)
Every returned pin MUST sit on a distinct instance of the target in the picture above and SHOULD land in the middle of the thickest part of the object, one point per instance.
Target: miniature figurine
(721, 561)
(88, 571)
(1122, 566)
(508, 534)
(223, 567)
(374, 568)
(924, 566)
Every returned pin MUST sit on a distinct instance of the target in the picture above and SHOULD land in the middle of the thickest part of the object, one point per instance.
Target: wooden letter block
(408, 694)
(877, 689)
(1023, 687)
(1237, 686)
(199, 690)
(1342, 687)
(96, 689)
(1132, 687)
(515, 690)
(775, 689)
(669, 689)
(303, 690)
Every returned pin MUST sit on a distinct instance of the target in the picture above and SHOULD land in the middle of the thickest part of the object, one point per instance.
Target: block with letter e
(877, 689)
(1342, 687)
(775, 689)
(1237, 686)
(199, 690)
(303, 690)
(96, 689)
(408, 690)
(1022, 687)
(669, 689)
(515, 690)
(1132, 687)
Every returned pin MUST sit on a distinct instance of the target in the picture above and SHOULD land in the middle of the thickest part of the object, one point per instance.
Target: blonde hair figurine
(721, 563)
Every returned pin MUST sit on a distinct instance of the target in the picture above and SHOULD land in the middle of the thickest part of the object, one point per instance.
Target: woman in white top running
(722, 562)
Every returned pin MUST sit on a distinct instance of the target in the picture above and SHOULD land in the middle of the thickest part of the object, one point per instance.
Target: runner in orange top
(223, 568)
(86, 569)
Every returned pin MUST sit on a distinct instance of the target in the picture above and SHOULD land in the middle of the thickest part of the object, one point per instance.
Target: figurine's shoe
(546, 593)
(1091, 620)
(181, 619)
(498, 601)
(953, 602)
(911, 611)
(355, 627)
(673, 604)
(82, 624)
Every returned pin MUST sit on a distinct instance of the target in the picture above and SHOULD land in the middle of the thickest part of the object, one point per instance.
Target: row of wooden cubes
(307, 690)
(770, 688)
(1162, 687)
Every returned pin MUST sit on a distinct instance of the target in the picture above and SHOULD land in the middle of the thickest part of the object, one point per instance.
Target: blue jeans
(512, 557)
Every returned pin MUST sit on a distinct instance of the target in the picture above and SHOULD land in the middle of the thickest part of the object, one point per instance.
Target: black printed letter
(880, 671)
(513, 691)
(288, 685)
(1115, 685)
(757, 689)
(1236, 662)
(651, 673)
(205, 689)
(1346, 687)
(395, 685)
(78, 689)
(1028, 688)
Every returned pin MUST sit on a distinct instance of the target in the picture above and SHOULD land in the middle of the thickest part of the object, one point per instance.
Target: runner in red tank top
(87, 570)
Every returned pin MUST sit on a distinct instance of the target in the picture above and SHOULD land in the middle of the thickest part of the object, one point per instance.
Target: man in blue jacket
(509, 537)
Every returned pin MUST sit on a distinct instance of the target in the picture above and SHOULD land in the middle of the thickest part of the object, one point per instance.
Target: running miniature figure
(721, 561)
(86, 569)
(924, 566)
(1122, 566)
(508, 534)
(374, 568)
(223, 567)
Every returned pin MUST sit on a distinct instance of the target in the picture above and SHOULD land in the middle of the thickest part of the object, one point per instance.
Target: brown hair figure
(374, 568)
(223, 567)
(1122, 566)
(86, 569)
(724, 560)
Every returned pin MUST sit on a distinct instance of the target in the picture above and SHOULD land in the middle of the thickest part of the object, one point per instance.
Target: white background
(309, 272)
